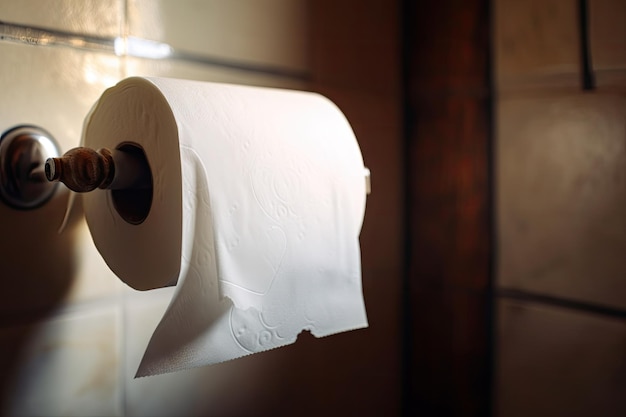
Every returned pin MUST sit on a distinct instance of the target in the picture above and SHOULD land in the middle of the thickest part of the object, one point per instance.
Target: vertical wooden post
(450, 239)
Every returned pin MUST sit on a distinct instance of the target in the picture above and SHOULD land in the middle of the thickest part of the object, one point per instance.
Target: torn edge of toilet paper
(204, 323)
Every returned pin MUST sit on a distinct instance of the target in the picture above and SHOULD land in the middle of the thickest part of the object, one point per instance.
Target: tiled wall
(561, 208)
(71, 334)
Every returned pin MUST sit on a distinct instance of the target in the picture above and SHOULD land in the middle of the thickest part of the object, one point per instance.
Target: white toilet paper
(258, 202)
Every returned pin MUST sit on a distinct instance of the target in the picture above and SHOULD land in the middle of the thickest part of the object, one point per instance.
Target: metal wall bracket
(23, 153)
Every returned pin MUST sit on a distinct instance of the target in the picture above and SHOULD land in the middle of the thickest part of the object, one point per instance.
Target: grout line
(128, 46)
(125, 19)
(274, 71)
(406, 334)
(124, 296)
(123, 352)
(582, 306)
(588, 82)
(125, 31)
(491, 151)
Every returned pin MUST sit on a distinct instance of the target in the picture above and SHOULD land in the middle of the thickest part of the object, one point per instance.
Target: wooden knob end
(82, 169)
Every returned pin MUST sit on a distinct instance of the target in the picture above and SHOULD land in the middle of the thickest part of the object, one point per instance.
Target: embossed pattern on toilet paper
(272, 204)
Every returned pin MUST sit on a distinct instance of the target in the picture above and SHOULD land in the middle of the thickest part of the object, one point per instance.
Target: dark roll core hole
(133, 204)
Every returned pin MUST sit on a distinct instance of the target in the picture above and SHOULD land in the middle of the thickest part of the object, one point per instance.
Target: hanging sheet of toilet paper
(258, 202)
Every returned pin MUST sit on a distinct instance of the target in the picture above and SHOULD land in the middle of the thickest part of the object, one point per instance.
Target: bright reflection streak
(142, 48)
(119, 45)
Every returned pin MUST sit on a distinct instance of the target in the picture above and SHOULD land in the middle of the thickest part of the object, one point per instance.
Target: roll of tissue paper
(258, 200)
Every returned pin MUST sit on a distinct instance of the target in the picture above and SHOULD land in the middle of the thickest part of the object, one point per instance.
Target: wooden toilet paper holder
(84, 169)
(29, 156)
(125, 171)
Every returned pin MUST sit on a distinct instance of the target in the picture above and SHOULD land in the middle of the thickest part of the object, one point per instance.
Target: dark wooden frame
(449, 252)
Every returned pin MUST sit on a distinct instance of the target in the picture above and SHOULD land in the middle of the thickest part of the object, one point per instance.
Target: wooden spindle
(82, 169)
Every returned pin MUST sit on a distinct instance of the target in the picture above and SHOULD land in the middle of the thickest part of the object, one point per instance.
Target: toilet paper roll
(258, 200)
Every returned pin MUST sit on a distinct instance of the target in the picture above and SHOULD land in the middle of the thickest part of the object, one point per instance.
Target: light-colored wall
(560, 158)
(71, 334)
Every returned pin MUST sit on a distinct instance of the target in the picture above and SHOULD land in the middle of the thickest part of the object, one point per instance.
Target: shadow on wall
(38, 268)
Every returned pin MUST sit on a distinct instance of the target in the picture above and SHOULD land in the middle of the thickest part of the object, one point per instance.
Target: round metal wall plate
(23, 153)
